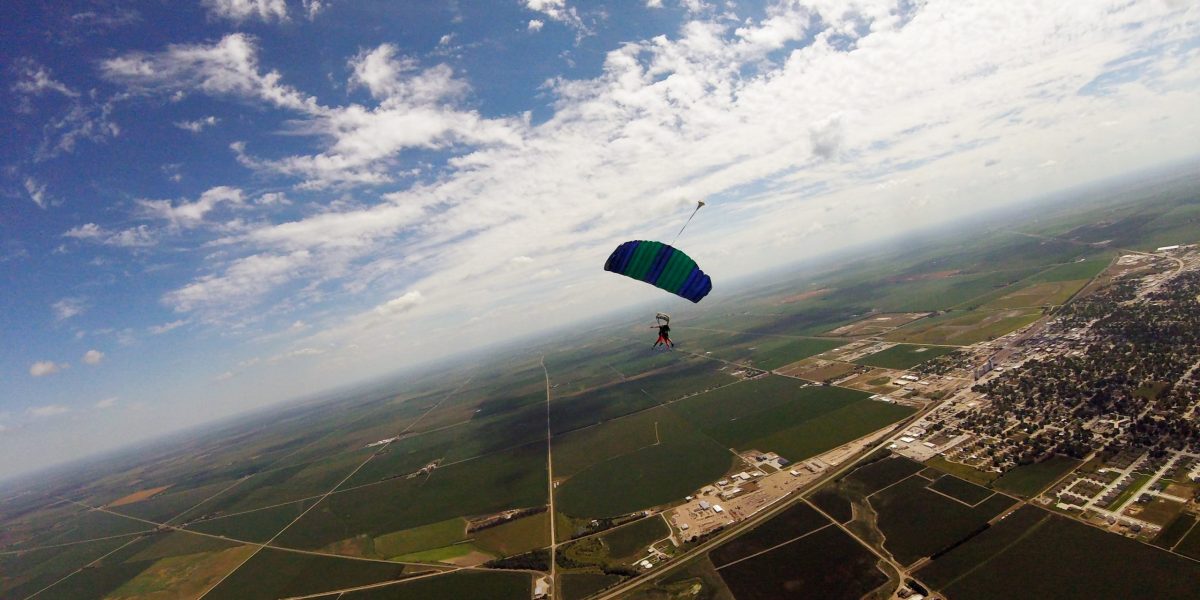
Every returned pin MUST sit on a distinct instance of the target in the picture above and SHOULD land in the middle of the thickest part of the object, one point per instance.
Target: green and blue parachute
(662, 266)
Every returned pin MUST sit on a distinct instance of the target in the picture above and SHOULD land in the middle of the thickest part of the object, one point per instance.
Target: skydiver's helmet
(663, 318)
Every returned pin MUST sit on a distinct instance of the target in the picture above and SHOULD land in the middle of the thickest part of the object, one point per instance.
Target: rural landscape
(1003, 408)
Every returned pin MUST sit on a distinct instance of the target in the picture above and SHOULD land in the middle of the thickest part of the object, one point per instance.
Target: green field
(1028, 480)
(276, 573)
(966, 492)
(784, 415)
(794, 522)
(577, 586)
(28, 572)
(961, 471)
(1173, 532)
(258, 526)
(828, 564)
(630, 541)
(515, 537)
(434, 535)
(1036, 554)
(903, 356)
(917, 522)
(765, 351)
(1190, 544)
(464, 585)
(684, 461)
(442, 554)
(582, 448)
(512, 479)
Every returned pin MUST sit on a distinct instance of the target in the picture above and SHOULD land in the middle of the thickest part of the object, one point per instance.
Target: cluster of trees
(538, 560)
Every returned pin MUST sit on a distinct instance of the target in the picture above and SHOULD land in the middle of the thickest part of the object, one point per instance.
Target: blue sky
(206, 207)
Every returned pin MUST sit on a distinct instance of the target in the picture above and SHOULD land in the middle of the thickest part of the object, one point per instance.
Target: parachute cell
(662, 266)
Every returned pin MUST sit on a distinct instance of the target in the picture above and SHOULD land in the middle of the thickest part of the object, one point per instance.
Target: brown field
(863, 382)
(815, 369)
(1043, 294)
(972, 327)
(876, 324)
(1159, 511)
(471, 559)
(137, 496)
(803, 296)
(182, 576)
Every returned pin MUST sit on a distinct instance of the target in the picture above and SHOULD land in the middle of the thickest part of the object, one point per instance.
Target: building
(717, 508)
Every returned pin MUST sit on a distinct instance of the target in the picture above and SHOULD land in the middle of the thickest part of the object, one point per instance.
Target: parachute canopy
(662, 266)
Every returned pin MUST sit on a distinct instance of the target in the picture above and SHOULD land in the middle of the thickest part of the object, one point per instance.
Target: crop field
(1050, 293)
(582, 448)
(514, 478)
(577, 586)
(96, 524)
(1028, 480)
(828, 564)
(434, 535)
(917, 522)
(29, 572)
(875, 324)
(1173, 532)
(257, 526)
(903, 356)
(697, 579)
(965, 492)
(276, 574)
(1042, 555)
(521, 535)
(629, 541)
(467, 585)
(1190, 544)
(965, 328)
(792, 523)
(181, 576)
(685, 460)
(818, 370)
(768, 351)
(836, 497)
(786, 416)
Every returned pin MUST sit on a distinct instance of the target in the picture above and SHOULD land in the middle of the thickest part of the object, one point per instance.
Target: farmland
(450, 464)
(1050, 556)
(903, 356)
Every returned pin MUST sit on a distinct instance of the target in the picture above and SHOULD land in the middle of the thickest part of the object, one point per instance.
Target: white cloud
(45, 367)
(133, 237)
(165, 327)
(49, 410)
(654, 3)
(36, 80)
(186, 214)
(446, 39)
(93, 357)
(37, 193)
(242, 283)
(198, 125)
(312, 8)
(557, 10)
(107, 402)
(245, 10)
(226, 68)
(67, 307)
(273, 199)
(399, 304)
(535, 25)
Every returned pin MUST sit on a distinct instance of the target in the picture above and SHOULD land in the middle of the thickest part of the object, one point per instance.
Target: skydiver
(664, 335)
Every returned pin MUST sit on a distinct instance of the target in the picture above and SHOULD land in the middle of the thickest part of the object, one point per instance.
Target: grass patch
(515, 537)
(434, 535)
(630, 541)
(903, 356)
(442, 554)
(1028, 480)
(1135, 486)
(961, 471)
